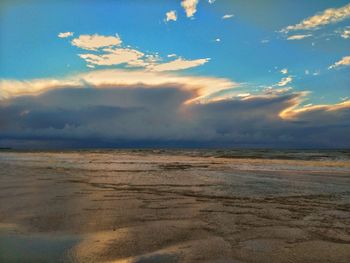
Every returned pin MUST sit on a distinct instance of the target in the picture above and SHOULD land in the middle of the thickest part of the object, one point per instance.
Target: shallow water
(34, 247)
(175, 206)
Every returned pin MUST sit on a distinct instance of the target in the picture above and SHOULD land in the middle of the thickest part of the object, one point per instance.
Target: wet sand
(149, 206)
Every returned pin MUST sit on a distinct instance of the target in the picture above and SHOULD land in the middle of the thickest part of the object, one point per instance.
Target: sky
(175, 73)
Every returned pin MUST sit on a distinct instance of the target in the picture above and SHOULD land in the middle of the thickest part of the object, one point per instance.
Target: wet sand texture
(125, 206)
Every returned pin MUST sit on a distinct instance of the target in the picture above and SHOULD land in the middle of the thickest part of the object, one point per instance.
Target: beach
(175, 206)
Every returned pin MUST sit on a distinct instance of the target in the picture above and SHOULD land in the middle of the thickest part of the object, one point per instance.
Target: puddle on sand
(38, 248)
(158, 258)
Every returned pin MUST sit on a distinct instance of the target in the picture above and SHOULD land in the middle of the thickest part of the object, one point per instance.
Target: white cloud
(228, 16)
(152, 58)
(211, 1)
(308, 105)
(94, 42)
(178, 64)
(114, 57)
(190, 7)
(298, 37)
(65, 34)
(107, 51)
(243, 95)
(171, 16)
(345, 61)
(274, 91)
(284, 71)
(345, 33)
(217, 40)
(329, 16)
(285, 81)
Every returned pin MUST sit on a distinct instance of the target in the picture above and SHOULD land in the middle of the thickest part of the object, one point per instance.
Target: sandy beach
(164, 206)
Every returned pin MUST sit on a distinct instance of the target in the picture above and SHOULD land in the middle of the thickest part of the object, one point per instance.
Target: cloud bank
(112, 108)
(202, 86)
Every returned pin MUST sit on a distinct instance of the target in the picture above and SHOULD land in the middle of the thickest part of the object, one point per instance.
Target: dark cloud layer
(144, 116)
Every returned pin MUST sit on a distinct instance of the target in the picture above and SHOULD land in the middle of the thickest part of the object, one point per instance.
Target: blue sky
(248, 49)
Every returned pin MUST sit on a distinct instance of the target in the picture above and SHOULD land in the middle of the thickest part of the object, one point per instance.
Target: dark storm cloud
(139, 116)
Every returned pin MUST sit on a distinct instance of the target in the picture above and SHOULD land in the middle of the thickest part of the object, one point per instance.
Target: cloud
(108, 51)
(108, 108)
(298, 37)
(115, 56)
(11, 88)
(285, 81)
(190, 7)
(345, 61)
(94, 42)
(228, 16)
(137, 115)
(243, 95)
(284, 71)
(295, 112)
(171, 16)
(276, 91)
(178, 64)
(329, 16)
(135, 58)
(345, 33)
(65, 34)
(202, 86)
(211, 1)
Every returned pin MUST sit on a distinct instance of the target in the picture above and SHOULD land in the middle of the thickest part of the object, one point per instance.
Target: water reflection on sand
(173, 206)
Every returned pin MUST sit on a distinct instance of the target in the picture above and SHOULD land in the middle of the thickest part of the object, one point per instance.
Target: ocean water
(156, 205)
